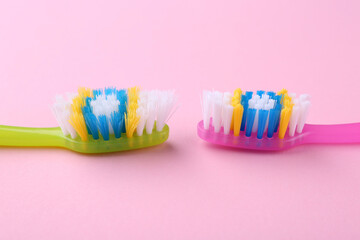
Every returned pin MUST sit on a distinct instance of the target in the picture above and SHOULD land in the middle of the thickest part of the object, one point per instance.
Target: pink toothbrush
(266, 121)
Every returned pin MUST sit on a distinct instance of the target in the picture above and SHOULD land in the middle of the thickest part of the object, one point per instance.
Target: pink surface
(184, 189)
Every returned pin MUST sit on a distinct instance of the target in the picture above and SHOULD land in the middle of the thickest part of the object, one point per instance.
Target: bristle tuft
(103, 127)
(165, 104)
(131, 117)
(62, 111)
(207, 106)
(117, 122)
(78, 123)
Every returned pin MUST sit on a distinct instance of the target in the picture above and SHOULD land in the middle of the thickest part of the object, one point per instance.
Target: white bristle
(217, 110)
(260, 103)
(142, 112)
(61, 110)
(70, 96)
(227, 117)
(226, 101)
(105, 105)
(294, 119)
(152, 112)
(256, 97)
(227, 97)
(299, 114)
(292, 95)
(256, 119)
(270, 105)
(266, 98)
(166, 102)
(252, 103)
(207, 102)
(304, 111)
(257, 104)
(304, 97)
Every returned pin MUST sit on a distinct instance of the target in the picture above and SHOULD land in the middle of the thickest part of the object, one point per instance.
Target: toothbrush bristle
(261, 113)
(110, 111)
(166, 102)
(131, 117)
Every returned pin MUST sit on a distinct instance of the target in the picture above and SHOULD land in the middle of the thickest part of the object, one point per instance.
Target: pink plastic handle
(340, 133)
(327, 134)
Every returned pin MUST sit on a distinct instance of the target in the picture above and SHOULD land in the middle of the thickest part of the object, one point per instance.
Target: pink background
(184, 189)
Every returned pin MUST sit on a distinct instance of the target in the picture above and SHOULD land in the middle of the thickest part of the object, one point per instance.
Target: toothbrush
(99, 121)
(266, 121)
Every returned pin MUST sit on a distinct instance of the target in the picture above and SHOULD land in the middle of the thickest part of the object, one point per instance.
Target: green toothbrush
(100, 121)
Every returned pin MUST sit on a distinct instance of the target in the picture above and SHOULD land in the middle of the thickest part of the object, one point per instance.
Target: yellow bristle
(282, 92)
(285, 116)
(131, 118)
(76, 118)
(85, 92)
(237, 115)
(238, 112)
(234, 101)
(287, 98)
(77, 104)
(78, 123)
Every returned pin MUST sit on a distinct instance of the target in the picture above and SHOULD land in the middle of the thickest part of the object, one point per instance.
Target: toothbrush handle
(340, 133)
(30, 137)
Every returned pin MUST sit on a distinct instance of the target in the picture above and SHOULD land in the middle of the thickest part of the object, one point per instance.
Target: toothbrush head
(110, 119)
(254, 120)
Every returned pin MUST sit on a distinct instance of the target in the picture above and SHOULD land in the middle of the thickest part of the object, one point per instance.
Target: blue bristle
(103, 127)
(278, 113)
(97, 92)
(123, 98)
(117, 122)
(248, 94)
(250, 121)
(278, 107)
(121, 95)
(87, 101)
(274, 118)
(110, 90)
(122, 107)
(272, 122)
(123, 129)
(271, 94)
(100, 124)
(277, 99)
(86, 110)
(245, 104)
(260, 92)
(92, 124)
(263, 115)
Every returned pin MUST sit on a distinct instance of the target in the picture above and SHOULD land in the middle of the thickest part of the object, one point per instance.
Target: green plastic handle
(31, 137)
(53, 137)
